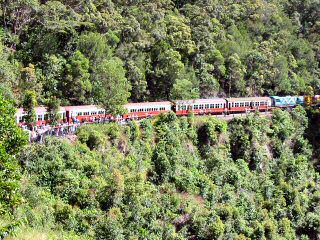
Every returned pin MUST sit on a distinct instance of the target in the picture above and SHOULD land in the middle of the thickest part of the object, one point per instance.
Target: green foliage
(231, 48)
(78, 86)
(53, 106)
(176, 178)
(11, 141)
(252, 178)
(29, 105)
(183, 89)
(113, 87)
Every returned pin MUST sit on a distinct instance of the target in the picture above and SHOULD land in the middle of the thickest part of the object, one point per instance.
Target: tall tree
(235, 76)
(53, 71)
(29, 105)
(53, 107)
(112, 87)
(167, 69)
(184, 89)
(78, 86)
(95, 47)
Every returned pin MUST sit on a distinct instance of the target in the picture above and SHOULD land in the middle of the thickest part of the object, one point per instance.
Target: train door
(68, 116)
(174, 107)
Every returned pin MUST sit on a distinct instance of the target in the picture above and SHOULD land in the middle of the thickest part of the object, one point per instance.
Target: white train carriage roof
(39, 110)
(83, 108)
(166, 104)
(248, 99)
(200, 101)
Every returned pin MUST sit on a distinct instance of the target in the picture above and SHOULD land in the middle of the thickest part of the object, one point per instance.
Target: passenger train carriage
(249, 103)
(200, 106)
(180, 107)
(146, 109)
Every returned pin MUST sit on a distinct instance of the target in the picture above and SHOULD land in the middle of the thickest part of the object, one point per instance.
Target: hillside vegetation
(83, 51)
(174, 178)
(166, 178)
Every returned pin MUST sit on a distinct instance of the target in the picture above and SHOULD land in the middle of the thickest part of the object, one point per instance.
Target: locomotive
(212, 106)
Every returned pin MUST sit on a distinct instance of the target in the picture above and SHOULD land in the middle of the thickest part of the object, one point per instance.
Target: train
(141, 110)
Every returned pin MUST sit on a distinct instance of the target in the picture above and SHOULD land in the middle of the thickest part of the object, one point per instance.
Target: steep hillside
(175, 178)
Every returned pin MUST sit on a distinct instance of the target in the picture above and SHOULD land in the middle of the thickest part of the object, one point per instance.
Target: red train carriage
(83, 113)
(200, 106)
(249, 103)
(42, 116)
(146, 109)
(68, 114)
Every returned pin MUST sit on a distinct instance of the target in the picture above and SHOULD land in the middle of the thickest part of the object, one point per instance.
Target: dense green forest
(164, 178)
(174, 178)
(81, 51)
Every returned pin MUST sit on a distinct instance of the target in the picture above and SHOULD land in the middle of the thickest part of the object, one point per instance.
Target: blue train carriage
(287, 101)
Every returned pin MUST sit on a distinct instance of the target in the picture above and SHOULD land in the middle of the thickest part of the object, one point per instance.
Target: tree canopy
(164, 49)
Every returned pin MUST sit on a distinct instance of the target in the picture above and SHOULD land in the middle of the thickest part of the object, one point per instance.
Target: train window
(257, 104)
(20, 119)
(39, 117)
(206, 106)
(46, 116)
(262, 103)
(195, 106)
(201, 106)
(241, 104)
(247, 104)
(236, 104)
(93, 113)
(211, 105)
(184, 107)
